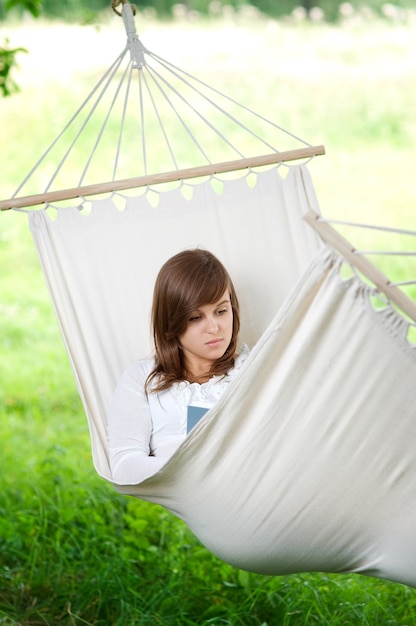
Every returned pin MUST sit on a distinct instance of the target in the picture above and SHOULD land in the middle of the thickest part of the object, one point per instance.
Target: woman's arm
(130, 429)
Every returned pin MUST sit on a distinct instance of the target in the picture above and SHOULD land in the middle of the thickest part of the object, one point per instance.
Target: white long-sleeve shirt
(145, 430)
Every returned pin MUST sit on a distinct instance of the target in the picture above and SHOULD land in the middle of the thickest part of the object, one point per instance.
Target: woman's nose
(212, 324)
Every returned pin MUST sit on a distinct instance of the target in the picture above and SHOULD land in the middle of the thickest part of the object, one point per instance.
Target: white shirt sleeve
(144, 431)
(130, 429)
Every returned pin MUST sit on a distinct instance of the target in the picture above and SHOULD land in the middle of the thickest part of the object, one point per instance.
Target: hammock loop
(116, 3)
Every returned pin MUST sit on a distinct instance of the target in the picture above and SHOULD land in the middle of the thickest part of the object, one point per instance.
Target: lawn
(72, 551)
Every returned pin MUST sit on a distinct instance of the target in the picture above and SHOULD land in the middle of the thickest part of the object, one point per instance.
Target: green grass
(72, 551)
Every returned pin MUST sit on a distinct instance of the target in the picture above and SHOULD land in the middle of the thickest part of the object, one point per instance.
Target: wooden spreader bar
(363, 265)
(164, 177)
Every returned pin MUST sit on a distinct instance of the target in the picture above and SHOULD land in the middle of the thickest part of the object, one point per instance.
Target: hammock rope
(359, 261)
(155, 78)
(138, 52)
(390, 229)
(122, 123)
(220, 109)
(184, 102)
(102, 129)
(154, 75)
(385, 252)
(109, 75)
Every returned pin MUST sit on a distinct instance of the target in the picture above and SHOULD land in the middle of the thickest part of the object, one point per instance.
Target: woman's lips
(213, 342)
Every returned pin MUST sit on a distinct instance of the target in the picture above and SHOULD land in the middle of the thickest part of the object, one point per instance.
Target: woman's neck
(197, 370)
(201, 377)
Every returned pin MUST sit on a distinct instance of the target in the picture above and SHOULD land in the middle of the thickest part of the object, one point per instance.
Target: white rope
(137, 49)
(181, 120)
(404, 283)
(58, 169)
(154, 85)
(219, 108)
(160, 123)
(167, 64)
(103, 126)
(138, 52)
(110, 72)
(142, 124)
(400, 231)
(122, 122)
(385, 252)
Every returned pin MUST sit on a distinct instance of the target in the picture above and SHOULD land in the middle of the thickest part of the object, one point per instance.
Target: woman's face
(208, 335)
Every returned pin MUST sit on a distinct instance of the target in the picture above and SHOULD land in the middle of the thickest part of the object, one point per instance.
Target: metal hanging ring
(116, 3)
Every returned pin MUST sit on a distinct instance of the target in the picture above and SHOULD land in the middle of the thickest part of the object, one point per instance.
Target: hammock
(307, 463)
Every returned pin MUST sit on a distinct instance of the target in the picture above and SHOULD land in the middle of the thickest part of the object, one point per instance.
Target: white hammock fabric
(308, 462)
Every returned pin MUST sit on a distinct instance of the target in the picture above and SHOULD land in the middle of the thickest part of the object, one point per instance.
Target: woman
(195, 319)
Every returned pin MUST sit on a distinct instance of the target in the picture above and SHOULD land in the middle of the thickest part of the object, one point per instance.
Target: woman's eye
(222, 311)
(194, 318)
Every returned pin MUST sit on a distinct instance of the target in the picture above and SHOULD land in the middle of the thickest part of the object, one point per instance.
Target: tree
(307, 5)
(8, 55)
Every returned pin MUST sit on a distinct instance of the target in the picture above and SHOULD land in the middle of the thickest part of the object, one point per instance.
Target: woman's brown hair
(188, 280)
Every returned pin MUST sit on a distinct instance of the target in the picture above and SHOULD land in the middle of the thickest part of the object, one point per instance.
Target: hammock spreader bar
(164, 177)
(342, 245)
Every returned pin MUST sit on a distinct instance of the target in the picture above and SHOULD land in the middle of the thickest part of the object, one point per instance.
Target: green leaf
(33, 6)
(7, 63)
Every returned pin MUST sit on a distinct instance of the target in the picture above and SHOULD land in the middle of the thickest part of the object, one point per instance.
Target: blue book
(194, 415)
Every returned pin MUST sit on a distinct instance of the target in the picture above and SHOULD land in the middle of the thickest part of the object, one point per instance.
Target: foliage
(73, 552)
(7, 62)
(329, 10)
(32, 6)
(8, 59)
